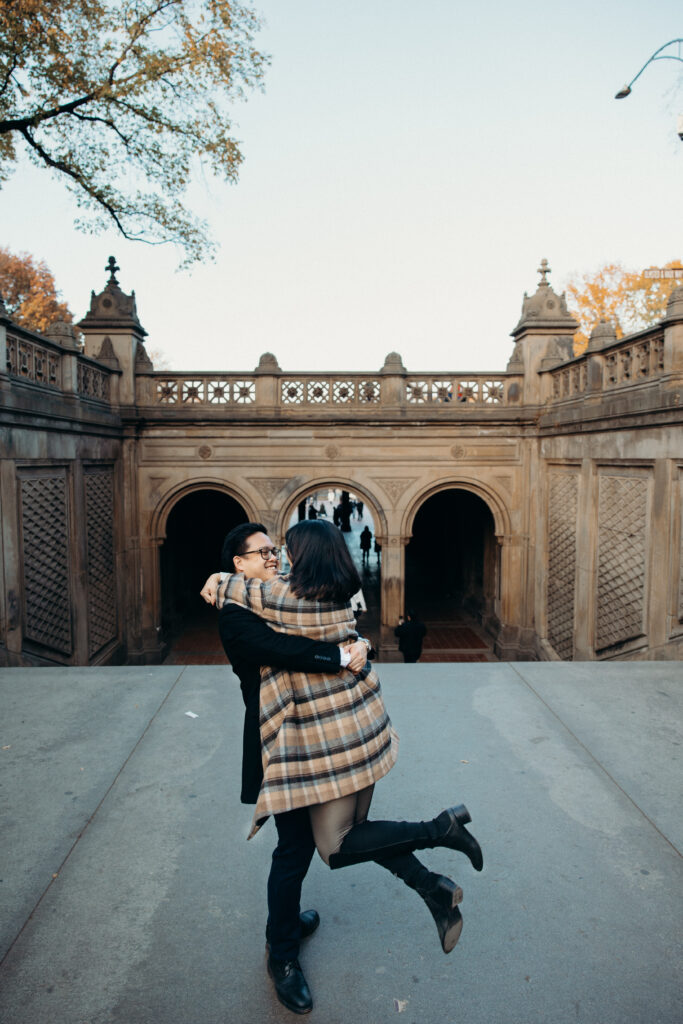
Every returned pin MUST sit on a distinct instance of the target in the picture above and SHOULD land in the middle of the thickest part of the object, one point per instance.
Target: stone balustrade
(335, 391)
(633, 360)
(43, 363)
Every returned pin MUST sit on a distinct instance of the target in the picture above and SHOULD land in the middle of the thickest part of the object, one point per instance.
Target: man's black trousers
(291, 859)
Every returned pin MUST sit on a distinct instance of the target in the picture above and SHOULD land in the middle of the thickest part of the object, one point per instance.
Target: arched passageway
(451, 573)
(349, 511)
(195, 530)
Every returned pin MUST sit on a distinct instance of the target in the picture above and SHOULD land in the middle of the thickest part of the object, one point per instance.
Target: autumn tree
(30, 294)
(630, 300)
(125, 100)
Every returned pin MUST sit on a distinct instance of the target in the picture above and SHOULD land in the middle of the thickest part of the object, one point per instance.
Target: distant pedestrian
(366, 544)
(359, 509)
(378, 551)
(410, 635)
(312, 512)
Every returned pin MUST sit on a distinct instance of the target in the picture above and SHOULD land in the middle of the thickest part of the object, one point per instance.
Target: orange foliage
(626, 298)
(28, 289)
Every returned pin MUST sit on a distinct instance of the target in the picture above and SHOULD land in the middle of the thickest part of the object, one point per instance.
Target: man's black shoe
(290, 985)
(308, 920)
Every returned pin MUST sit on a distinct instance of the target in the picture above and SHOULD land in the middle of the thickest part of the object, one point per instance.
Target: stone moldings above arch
(488, 494)
(268, 486)
(167, 501)
(394, 486)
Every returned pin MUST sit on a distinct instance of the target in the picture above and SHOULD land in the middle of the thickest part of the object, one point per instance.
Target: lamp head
(623, 92)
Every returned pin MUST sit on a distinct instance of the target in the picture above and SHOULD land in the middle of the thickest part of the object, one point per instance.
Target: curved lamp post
(626, 89)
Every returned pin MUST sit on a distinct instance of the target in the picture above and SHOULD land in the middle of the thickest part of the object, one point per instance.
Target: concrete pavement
(130, 896)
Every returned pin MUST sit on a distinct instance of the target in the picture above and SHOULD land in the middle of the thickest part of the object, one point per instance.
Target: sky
(406, 168)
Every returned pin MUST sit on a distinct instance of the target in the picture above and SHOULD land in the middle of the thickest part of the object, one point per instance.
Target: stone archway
(195, 527)
(327, 494)
(452, 571)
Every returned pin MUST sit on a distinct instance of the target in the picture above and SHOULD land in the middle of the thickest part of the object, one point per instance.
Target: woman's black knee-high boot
(440, 894)
(371, 840)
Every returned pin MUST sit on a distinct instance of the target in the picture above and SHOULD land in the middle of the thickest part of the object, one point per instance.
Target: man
(410, 636)
(250, 643)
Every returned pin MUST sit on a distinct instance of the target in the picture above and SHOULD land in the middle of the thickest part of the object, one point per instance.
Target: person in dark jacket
(410, 635)
(249, 643)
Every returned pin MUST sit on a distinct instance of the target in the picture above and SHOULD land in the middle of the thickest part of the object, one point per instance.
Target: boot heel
(462, 815)
(446, 893)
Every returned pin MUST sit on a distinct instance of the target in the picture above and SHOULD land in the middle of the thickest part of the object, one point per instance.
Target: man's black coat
(250, 643)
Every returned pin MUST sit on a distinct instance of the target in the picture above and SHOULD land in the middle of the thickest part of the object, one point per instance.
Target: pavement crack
(594, 759)
(91, 818)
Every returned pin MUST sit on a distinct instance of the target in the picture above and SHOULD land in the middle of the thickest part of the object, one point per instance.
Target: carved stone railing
(634, 360)
(37, 362)
(182, 389)
(570, 381)
(93, 380)
(329, 389)
(473, 389)
(333, 391)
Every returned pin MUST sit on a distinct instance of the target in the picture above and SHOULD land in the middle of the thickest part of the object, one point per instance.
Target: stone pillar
(586, 563)
(113, 332)
(543, 338)
(267, 382)
(393, 375)
(673, 334)
(392, 577)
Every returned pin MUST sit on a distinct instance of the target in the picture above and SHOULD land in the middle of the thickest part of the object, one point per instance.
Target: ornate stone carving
(332, 451)
(268, 486)
(394, 486)
(458, 452)
(45, 561)
(622, 554)
(99, 507)
(155, 483)
(112, 307)
(561, 579)
(545, 310)
(205, 451)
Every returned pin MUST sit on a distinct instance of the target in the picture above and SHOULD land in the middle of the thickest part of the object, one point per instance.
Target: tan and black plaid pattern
(323, 736)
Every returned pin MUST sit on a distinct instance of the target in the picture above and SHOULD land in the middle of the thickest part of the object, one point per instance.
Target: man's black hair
(322, 568)
(235, 543)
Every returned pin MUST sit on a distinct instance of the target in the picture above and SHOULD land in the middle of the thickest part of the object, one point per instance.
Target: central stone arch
(371, 569)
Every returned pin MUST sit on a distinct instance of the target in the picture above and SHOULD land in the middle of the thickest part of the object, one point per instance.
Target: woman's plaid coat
(322, 736)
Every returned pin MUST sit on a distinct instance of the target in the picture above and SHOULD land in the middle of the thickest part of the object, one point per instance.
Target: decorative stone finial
(268, 364)
(393, 364)
(112, 268)
(112, 309)
(602, 335)
(674, 307)
(63, 333)
(545, 312)
(543, 270)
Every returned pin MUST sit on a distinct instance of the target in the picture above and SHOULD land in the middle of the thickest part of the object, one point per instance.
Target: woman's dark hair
(322, 568)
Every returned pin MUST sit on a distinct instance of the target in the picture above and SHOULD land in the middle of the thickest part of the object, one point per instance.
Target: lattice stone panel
(680, 552)
(45, 538)
(99, 511)
(562, 511)
(622, 553)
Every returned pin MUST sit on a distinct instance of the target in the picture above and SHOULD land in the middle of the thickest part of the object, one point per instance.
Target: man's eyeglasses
(265, 553)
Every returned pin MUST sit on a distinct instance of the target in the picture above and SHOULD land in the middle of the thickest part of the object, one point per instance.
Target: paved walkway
(130, 896)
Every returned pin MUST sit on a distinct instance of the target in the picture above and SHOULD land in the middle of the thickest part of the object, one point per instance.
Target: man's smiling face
(251, 562)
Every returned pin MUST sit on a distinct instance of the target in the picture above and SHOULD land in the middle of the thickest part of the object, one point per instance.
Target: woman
(326, 739)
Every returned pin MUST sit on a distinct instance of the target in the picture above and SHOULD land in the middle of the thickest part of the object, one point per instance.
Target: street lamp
(626, 89)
